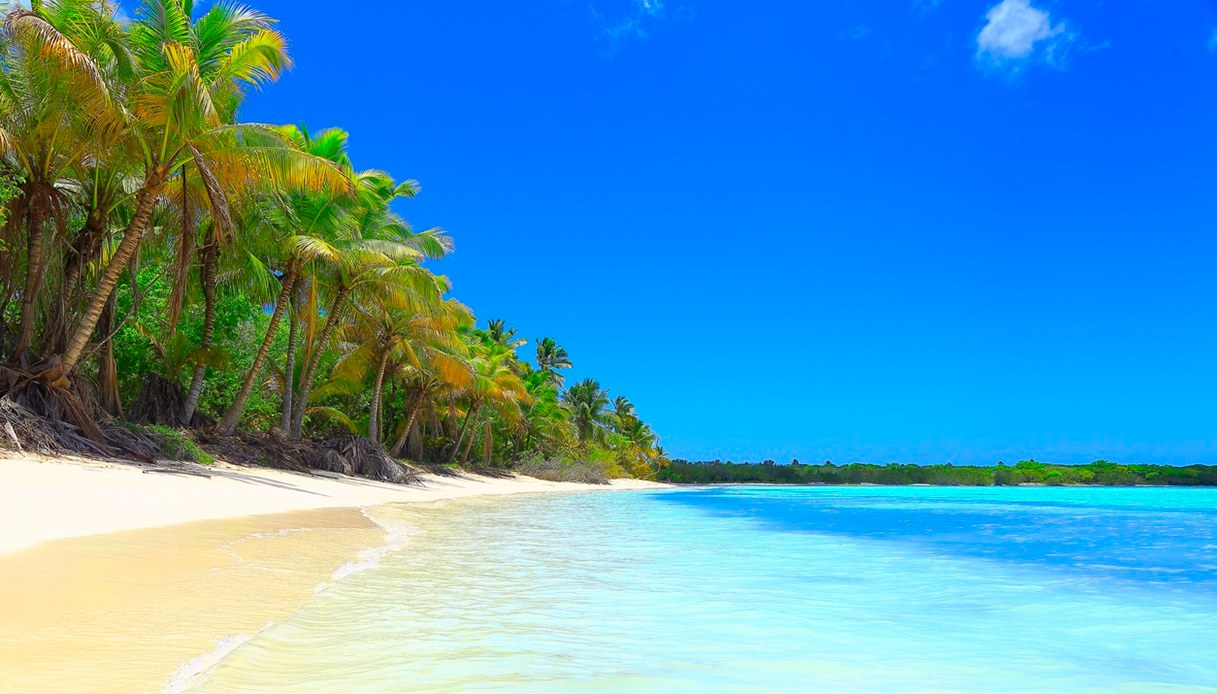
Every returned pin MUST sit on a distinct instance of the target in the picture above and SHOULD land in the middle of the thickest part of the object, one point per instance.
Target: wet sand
(121, 612)
(86, 609)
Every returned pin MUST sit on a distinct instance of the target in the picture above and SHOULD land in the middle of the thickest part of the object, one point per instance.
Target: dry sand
(47, 499)
(115, 580)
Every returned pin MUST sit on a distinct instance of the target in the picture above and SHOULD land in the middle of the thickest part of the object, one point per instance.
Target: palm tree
(385, 339)
(496, 383)
(544, 422)
(587, 402)
(376, 251)
(436, 373)
(124, 165)
(180, 113)
(295, 225)
(54, 93)
(623, 411)
(498, 333)
(551, 358)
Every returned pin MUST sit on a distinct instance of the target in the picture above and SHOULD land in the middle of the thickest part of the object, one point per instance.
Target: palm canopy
(148, 229)
(588, 403)
(551, 358)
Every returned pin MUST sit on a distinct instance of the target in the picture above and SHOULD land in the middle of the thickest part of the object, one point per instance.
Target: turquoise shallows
(768, 589)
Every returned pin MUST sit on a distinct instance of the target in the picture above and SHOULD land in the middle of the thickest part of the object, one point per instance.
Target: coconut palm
(374, 252)
(179, 113)
(496, 384)
(138, 207)
(551, 358)
(54, 94)
(588, 403)
(498, 333)
(385, 339)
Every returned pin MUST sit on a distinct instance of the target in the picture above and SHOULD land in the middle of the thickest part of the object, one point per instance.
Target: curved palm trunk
(469, 446)
(144, 202)
(85, 247)
(35, 246)
(487, 444)
(209, 324)
(233, 417)
(300, 405)
(460, 435)
(289, 369)
(377, 392)
(416, 404)
(185, 255)
(107, 370)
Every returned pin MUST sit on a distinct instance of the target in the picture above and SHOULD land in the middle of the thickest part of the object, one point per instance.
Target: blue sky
(920, 230)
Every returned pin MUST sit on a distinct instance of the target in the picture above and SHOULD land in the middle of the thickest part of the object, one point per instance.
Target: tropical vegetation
(164, 263)
(1027, 472)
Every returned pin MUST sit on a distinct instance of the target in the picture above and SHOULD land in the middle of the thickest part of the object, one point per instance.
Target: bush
(584, 470)
(179, 446)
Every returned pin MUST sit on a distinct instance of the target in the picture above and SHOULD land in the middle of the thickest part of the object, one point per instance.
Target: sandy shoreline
(47, 499)
(119, 581)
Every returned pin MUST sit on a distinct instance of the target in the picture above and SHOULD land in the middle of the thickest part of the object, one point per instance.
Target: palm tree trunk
(416, 404)
(231, 418)
(289, 370)
(33, 274)
(306, 379)
(84, 248)
(487, 444)
(473, 434)
(209, 324)
(185, 255)
(144, 202)
(460, 435)
(107, 371)
(377, 391)
(88, 245)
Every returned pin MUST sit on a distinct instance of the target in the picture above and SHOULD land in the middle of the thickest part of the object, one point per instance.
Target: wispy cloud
(857, 33)
(1017, 34)
(633, 24)
(1213, 41)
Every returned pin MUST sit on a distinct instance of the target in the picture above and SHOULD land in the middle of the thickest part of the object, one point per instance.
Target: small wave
(189, 671)
(396, 536)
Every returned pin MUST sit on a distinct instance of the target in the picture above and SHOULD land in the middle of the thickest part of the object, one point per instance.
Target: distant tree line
(1100, 472)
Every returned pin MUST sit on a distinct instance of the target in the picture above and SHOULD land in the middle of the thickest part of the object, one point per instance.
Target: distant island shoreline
(1027, 473)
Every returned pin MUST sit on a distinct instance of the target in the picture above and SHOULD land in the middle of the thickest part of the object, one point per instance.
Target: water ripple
(764, 589)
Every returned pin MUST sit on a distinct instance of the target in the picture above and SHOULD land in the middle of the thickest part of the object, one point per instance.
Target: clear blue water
(768, 589)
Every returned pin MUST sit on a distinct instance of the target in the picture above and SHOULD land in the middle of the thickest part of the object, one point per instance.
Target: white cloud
(1017, 33)
(633, 24)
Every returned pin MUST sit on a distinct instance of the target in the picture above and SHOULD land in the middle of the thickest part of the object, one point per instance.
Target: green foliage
(587, 469)
(178, 445)
(10, 188)
(173, 240)
(1028, 472)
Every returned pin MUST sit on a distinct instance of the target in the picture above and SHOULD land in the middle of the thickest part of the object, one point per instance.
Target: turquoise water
(767, 589)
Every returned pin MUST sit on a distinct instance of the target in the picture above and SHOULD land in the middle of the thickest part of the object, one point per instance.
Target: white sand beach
(45, 499)
(96, 557)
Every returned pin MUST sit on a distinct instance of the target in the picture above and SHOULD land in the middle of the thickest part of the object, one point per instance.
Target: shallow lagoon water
(767, 589)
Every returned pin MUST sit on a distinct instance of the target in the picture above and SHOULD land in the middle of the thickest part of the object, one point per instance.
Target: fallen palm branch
(347, 455)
